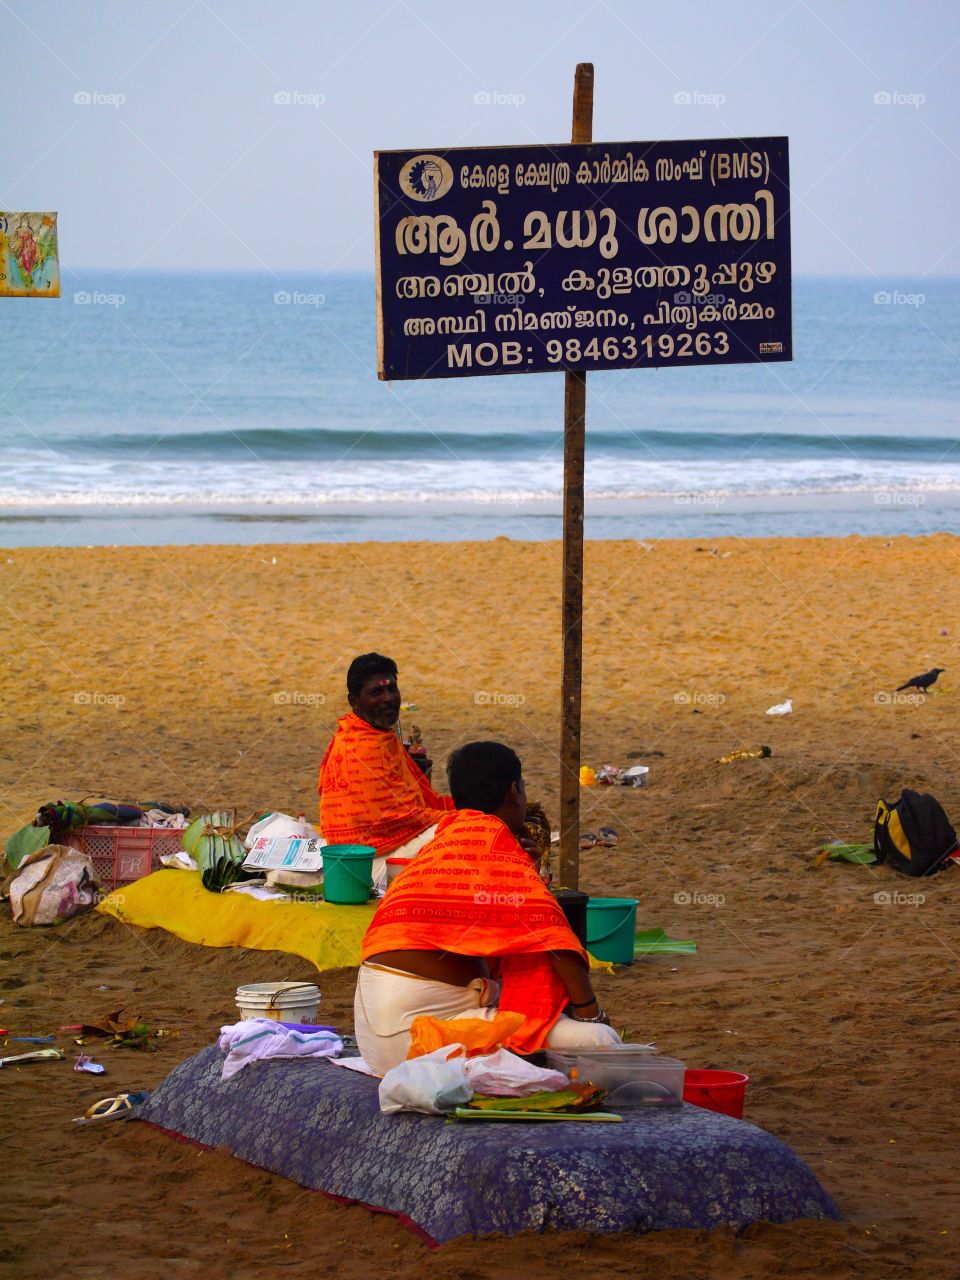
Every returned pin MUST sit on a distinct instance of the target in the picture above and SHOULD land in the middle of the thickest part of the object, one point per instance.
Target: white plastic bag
(275, 825)
(437, 1082)
(433, 1084)
(781, 708)
(505, 1075)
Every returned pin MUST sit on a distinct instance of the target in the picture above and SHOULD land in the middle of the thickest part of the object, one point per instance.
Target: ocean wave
(331, 444)
(496, 476)
(201, 499)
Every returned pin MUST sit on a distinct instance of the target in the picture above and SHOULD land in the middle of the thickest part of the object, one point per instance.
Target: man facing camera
(371, 792)
(469, 930)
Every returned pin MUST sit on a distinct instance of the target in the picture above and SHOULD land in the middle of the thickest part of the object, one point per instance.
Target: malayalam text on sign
(605, 256)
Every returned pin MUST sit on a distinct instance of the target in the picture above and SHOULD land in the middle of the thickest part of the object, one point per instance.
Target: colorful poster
(29, 267)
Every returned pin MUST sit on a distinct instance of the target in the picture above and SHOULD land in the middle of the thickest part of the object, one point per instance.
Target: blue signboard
(621, 255)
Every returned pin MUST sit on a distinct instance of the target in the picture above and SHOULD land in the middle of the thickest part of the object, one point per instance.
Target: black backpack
(914, 835)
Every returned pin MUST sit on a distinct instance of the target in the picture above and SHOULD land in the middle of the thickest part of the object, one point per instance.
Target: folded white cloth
(160, 818)
(355, 1064)
(258, 1038)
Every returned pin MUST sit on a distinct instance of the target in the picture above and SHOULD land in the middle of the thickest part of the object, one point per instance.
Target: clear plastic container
(642, 1081)
(633, 1080)
(565, 1060)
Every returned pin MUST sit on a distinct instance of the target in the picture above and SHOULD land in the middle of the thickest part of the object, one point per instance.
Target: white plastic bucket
(395, 866)
(279, 1001)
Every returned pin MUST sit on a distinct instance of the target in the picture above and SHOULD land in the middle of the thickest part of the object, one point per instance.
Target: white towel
(259, 1038)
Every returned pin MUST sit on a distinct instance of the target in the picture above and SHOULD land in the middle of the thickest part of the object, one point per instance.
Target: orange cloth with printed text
(475, 892)
(371, 792)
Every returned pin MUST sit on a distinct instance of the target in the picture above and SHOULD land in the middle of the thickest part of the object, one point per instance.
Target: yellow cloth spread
(327, 935)
(323, 933)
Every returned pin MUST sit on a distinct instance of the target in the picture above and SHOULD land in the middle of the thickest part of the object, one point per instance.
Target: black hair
(480, 773)
(365, 666)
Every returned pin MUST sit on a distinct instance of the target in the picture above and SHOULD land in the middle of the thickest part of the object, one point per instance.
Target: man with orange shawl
(371, 791)
(469, 931)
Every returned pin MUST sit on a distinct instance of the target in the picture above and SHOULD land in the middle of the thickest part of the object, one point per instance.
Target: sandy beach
(213, 676)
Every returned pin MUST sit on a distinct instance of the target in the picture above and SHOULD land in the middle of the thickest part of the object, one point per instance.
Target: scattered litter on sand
(781, 708)
(84, 1063)
(838, 851)
(38, 1055)
(760, 754)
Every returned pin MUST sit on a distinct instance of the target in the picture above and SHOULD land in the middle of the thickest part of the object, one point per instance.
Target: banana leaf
(217, 849)
(24, 842)
(602, 1117)
(862, 854)
(656, 942)
(191, 834)
(221, 874)
(578, 1097)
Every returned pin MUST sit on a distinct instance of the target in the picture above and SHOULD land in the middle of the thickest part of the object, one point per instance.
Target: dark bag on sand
(914, 835)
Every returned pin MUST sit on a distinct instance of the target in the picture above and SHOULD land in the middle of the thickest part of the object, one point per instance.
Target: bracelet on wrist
(584, 1004)
(600, 1016)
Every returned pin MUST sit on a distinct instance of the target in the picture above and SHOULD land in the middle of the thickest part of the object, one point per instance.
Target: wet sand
(214, 675)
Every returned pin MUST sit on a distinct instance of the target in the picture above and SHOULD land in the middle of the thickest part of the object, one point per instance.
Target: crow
(923, 682)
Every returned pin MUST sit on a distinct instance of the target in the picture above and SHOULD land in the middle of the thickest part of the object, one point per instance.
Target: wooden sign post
(574, 430)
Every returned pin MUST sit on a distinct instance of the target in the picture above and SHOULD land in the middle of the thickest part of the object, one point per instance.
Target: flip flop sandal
(608, 837)
(588, 839)
(113, 1108)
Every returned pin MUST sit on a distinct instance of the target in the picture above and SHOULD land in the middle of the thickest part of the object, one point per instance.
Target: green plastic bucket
(611, 924)
(347, 873)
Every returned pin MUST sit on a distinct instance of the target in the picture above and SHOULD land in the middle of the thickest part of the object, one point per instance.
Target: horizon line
(370, 271)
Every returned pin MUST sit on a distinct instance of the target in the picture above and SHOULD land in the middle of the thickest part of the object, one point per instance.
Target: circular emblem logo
(426, 178)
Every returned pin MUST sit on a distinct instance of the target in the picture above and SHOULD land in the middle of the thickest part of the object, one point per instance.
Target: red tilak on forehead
(384, 682)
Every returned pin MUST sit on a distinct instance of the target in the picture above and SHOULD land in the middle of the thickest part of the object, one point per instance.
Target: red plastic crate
(122, 854)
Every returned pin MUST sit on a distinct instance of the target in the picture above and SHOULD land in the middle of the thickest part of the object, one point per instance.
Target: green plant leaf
(657, 942)
(861, 854)
(24, 842)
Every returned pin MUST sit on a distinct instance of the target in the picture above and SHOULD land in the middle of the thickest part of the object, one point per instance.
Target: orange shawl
(474, 891)
(371, 792)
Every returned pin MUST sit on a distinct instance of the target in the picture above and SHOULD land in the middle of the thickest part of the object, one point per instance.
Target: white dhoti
(387, 1001)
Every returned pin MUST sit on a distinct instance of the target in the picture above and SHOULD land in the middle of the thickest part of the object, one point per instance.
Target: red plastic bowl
(722, 1091)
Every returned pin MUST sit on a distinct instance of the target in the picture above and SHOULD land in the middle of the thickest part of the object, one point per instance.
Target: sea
(157, 408)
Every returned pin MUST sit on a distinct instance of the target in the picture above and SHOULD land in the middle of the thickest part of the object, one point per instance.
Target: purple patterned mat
(322, 1127)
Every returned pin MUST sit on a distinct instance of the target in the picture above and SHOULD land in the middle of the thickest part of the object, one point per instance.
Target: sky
(231, 134)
